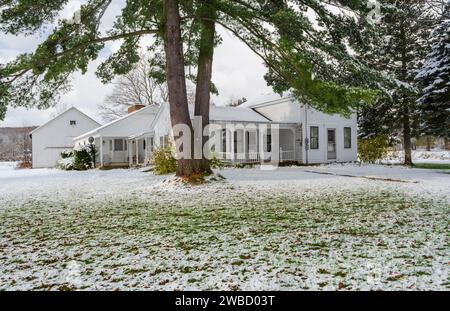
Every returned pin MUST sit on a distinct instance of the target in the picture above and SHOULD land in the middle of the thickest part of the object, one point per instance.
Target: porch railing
(253, 156)
(287, 155)
(240, 157)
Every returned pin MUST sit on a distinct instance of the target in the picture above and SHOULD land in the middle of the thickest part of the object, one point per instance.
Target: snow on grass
(285, 229)
(7, 166)
(420, 156)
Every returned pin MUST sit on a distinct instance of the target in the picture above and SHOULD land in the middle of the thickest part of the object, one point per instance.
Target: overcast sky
(237, 72)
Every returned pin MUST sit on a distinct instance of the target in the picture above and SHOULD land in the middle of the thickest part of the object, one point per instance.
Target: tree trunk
(428, 143)
(176, 78)
(406, 109)
(204, 74)
(407, 136)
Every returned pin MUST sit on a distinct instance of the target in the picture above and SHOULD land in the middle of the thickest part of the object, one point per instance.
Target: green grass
(432, 166)
(281, 240)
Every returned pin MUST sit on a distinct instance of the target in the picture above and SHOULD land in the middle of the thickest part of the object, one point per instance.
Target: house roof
(146, 110)
(266, 99)
(232, 114)
(60, 115)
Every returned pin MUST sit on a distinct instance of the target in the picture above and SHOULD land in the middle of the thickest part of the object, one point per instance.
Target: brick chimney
(135, 108)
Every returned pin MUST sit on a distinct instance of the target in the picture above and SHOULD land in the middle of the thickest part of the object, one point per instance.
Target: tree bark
(406, 110)
(204, 74)
(428, 143)
(407, 137)
(176, 78)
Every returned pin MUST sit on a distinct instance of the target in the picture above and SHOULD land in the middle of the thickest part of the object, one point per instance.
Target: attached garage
(57, 135)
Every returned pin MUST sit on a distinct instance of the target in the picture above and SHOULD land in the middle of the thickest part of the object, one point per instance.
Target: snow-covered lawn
(292, 228)
(421, 156)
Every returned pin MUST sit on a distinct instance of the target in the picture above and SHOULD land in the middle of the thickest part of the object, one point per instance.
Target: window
(73, 122)
(145, 144)
(151, 144)
(166, 140)
(224, 140)
(118, 145)
(110, 145)
(269, 142)
(347, 137)
(314, 137)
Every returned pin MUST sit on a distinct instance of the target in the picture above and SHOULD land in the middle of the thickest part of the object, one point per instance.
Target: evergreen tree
(434, 80)
(311, 56)
(403, 40)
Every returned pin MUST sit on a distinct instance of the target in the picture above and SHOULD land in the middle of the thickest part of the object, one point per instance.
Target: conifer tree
(403, 41)
(434, 81)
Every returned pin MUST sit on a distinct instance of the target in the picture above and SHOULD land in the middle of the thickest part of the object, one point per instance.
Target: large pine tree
(296, 39)
(434, 81)
(403, 41)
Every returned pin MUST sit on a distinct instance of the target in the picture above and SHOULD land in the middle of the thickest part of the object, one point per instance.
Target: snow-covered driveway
(291, 228)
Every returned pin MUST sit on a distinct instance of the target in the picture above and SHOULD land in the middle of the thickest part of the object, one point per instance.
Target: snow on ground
(421, 156)
(291, 228)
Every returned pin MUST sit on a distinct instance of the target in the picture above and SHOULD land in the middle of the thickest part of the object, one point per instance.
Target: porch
(118, 152)
(258, 145)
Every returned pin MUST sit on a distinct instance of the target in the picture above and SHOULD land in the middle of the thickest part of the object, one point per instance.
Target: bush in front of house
(164, 160)
(67, 160)
(216, 163)
(373, 149)
(79, 159)
(83, 158)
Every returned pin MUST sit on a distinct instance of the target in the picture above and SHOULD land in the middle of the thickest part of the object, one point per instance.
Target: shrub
(215, 163)
(66, 154)
(25, 163)
(80, 159)
(373, 149)
(164, 160)
(66, 163)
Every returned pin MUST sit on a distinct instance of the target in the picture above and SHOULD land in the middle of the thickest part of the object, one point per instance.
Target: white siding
(292, 112)
(163, 126)
(57, 135)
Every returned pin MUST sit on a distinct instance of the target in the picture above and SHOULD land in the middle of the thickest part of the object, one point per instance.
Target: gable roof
(151, 109)
(60, 115)
(267, 99)
(232, 114)
(222, 113)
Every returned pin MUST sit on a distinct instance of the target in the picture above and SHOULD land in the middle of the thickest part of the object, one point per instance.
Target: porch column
(146, 149)
(113, 150)
(231, 145)
(257, 144)
(275, 143)
(130, 153)
(101, 151)
(244, 147)
(137, 151)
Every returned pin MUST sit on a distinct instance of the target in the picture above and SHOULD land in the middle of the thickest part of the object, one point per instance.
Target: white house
(50, 139)
(318, 137)
(245, 134)
(114, 142)
(306, 135)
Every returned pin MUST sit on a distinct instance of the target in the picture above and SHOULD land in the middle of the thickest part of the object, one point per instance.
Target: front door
(331, 146)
